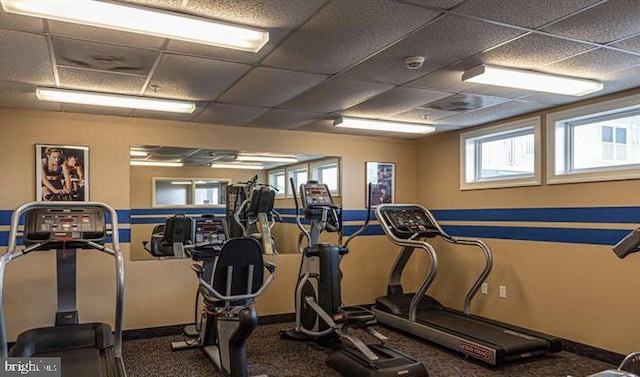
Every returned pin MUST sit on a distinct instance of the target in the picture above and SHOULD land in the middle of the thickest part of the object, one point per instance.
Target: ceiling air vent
(458, 102)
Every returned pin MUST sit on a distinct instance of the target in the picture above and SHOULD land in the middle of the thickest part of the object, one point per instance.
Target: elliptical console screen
(315, 195)
(59, 227)
(407, 221)
(210, 230)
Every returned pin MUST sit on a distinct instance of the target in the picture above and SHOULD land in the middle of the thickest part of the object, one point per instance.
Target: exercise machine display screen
(315, 195)
(210, 230)
(407, 221)
(59, 227)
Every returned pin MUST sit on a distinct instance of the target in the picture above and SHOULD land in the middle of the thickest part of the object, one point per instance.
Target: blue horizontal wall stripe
(577, 214)
(564, 235)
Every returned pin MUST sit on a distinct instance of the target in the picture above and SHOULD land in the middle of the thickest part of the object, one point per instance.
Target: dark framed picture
(383, 177)
(62, 173)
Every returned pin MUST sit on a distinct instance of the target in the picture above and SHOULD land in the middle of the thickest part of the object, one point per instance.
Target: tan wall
(161, 292)
(579, 292)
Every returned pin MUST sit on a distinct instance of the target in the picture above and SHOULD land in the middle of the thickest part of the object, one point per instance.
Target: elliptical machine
(249, 207)
(320, 315)
(230, 274)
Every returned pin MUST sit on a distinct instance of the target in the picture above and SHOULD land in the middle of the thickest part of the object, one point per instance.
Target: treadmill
(85, 349)
(490, 341)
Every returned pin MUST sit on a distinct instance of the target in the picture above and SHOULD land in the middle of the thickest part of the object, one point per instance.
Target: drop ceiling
(328, 58)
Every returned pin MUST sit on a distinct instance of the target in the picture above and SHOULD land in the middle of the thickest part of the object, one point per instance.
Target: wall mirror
(193, 181)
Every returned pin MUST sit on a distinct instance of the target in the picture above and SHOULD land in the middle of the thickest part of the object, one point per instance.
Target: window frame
(292, 170)
(329, 161)
(496, 133)
(559, 127)
(193, 192)
(277, 171)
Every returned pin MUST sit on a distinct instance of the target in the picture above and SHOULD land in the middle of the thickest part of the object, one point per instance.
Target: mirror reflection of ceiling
(202, 157)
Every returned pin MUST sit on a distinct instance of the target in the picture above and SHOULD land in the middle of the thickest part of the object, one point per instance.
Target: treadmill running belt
(79, 362)
(512, 341)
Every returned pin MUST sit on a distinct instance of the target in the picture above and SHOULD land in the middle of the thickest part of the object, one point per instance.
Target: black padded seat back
(239, 253)
(62, 338)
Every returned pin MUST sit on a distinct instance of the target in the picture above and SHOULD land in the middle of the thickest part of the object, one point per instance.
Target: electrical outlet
(484, 289)
(503, 291)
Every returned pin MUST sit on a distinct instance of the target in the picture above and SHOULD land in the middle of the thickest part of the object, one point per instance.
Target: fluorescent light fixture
(180, 182)
(138, 154)
(156, 163)
(382, 125)
(136, 19)
(114, 100)
(529, 80)
(237, 166)
(266, 159)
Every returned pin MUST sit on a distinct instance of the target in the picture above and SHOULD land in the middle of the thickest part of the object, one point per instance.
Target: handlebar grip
(343, 250)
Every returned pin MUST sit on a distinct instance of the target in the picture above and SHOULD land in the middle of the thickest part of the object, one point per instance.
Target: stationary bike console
(69, 228)
(629, 244)
(409, 222)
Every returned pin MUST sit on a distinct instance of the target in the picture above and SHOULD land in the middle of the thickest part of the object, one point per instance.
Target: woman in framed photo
(56, 179)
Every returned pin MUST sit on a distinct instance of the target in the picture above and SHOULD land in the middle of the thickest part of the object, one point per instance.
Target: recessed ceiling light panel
(382, 125)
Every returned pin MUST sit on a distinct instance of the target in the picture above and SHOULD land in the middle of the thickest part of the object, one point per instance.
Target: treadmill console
(209, 229)
(60, 227)
(408, 221)
(315, 196)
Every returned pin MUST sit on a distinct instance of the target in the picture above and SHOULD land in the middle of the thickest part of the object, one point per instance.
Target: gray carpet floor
(268, 354)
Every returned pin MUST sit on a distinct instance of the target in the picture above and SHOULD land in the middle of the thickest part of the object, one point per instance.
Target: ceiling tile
(342, 32)
(434, 42)
(530, 51)
(25, 58)
(448, 78)
(23, 96)
(269, 87)
(501, 111)
(595, 64)
(630, 44)
(336, 94)
(525, 13)
(104, 57)
(67, 29)
(100, 81)
(279, 17)
(284, 119)
(418, 115)
(18, 22)
(442, 4)
(604, 23)
(173, 5)
(98, 110)
(219, 113)
(394, 101)
(186, 77)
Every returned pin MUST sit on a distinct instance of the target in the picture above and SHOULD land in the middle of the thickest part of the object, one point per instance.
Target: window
(595, 143)
(299, 174)
(188, 192)
(326, 172)
(277, 180)
(501, 156)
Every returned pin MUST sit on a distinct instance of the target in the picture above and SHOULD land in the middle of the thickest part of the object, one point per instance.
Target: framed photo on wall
(62, 173)
(383, 176)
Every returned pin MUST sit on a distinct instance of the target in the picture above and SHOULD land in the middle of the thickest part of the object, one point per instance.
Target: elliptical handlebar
(295, 201)
(367, 219)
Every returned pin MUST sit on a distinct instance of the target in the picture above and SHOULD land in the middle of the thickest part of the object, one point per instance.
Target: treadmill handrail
(12, 253)
(431, 251)
(485, 272)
